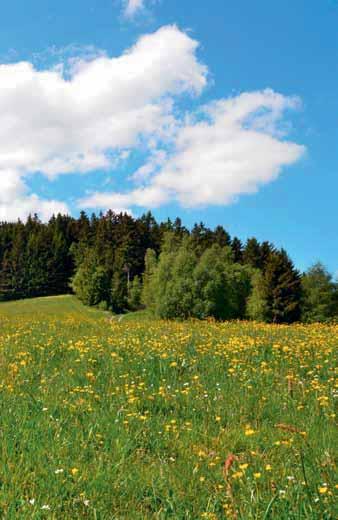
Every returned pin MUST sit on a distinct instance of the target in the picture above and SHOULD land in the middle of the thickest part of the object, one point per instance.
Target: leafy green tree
(91, 282)
(179, 296)
(212, 292)
(319, 295)
(257, 302)
(150, 263)
(135, 293)
(221, 286)
(172, 281)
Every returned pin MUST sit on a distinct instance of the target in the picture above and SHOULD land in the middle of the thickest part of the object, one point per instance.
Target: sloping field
(140, 419)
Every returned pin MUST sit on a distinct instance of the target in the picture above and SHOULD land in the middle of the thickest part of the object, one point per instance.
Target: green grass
(103, 418)
(58, 307)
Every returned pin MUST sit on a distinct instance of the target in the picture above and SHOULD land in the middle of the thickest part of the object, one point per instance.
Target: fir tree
(237, 250)
(282, 289)
(252, 254)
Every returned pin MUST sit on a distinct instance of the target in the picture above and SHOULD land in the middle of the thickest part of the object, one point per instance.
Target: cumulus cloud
(231, 147)
(90, 111)
(56, 124)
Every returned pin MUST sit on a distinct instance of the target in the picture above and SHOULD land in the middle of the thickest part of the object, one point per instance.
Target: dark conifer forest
(123, 263)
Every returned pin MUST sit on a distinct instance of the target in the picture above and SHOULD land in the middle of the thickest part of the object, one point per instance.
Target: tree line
(124, 263)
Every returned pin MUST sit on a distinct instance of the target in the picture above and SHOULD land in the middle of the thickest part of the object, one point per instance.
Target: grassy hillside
(58, 307)
(141, 419)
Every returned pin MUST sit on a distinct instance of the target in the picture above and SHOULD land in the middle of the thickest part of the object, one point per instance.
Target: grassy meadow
(133, 418)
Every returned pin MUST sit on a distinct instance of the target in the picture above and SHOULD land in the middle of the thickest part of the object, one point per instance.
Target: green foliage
(252, 253)
(185, 285)
(119, 291)
(211, 285)
(319, 295)
(91, 283)
(237, 250)
(200, 273)
(175, 295)
(276, 291)
(221, 286)
(150, 264)
(135, 294)
(257, 301)
(281, 289)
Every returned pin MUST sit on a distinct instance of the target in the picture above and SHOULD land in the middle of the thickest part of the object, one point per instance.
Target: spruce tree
(252, 253)
(237, 250)
(6, 278)
(282, 289)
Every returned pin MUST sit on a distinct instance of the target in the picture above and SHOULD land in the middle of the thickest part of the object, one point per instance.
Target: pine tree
(237, 250)
(252, 254)
(266, 250)
(6, 279)
(201, 238)
(221, 237)
(282, 289)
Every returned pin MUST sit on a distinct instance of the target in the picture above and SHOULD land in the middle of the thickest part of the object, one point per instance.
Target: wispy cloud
(132, 8)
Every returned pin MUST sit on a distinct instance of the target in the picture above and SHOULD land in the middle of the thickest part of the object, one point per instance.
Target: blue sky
(227, 111)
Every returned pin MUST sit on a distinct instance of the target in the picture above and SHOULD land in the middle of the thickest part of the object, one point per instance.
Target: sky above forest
(223, 111)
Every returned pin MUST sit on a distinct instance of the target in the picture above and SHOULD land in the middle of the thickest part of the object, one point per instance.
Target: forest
(123, 263)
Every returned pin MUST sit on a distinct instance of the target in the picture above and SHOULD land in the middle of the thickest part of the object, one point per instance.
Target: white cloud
(231, 148)
(132, 7)
(16, 202)
(91, 111)
(90, 119)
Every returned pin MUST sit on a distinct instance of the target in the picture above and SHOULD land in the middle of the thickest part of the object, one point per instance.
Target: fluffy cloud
(16, 202)
(56, 124)
(232, 147)
(88, 113)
